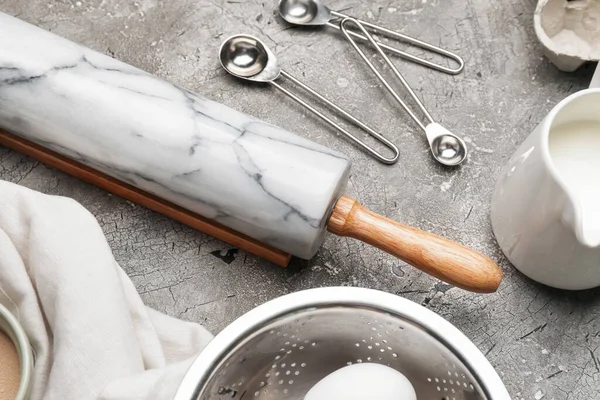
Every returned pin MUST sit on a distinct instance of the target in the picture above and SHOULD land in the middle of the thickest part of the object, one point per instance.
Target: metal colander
(281, 349)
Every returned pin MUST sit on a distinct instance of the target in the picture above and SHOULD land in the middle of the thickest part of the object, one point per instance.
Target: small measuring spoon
(446, 147)
(314, 13)
(246, 57)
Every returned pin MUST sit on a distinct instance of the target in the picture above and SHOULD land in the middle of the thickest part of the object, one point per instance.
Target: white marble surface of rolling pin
(244, 173)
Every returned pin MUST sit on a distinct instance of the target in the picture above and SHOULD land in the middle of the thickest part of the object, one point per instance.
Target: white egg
(365, 381)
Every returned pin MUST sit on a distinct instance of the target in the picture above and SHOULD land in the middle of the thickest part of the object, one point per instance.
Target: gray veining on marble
(543, 342)
(220, 163)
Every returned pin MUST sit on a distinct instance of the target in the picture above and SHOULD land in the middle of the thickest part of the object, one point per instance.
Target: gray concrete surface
(544, 343)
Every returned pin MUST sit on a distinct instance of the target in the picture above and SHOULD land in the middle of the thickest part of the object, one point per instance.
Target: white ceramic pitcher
(546, 204)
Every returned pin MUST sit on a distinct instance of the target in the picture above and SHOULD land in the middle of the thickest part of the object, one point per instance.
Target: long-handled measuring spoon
(246, 57)
(313, 12)
(446, 147)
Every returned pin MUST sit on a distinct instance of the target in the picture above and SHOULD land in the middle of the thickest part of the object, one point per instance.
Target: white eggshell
(568, 31)
(365, 381)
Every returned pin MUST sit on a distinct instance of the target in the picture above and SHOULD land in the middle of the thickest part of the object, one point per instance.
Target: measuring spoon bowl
(447, 148)
(246, 57)
(304, 12)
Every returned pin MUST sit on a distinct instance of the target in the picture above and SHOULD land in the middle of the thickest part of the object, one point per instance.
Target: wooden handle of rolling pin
(442, 258)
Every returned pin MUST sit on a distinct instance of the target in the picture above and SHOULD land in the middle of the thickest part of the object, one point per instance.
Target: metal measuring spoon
(314, 13)
(246, 57)
(306, 12)
(446, 147)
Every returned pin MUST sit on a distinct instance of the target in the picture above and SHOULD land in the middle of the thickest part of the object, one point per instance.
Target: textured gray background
(543, 342)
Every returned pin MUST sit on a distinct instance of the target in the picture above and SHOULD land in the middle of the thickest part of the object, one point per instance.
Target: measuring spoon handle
(442, 258)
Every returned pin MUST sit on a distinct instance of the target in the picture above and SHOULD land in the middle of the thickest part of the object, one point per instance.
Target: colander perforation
(309, 349)
(282, 349)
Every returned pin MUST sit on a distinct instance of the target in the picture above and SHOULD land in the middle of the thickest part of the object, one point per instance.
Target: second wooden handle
(442, 258)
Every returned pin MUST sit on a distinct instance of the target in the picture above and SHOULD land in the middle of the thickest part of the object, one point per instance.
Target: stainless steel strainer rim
(202, 368)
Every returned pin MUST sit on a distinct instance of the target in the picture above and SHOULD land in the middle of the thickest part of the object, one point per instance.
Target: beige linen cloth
(92, 336)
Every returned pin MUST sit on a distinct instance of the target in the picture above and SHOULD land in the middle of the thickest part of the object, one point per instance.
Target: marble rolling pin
(242, 180)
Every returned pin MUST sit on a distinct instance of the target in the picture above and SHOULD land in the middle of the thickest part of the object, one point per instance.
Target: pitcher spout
(588, 233)
(584, 219)
(573, 144)
(582, 216)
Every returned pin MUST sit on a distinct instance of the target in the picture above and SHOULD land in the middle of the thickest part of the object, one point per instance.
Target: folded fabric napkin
(92, 336)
